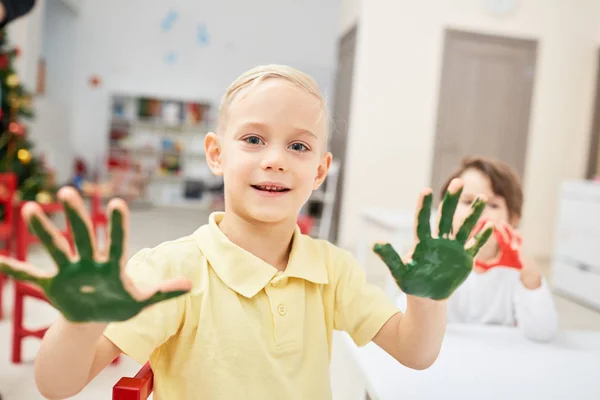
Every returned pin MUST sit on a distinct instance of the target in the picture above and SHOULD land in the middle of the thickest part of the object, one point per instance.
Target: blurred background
(115, 97)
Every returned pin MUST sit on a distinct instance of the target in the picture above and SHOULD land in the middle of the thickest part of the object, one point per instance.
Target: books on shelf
(165, 139)
(165, 112)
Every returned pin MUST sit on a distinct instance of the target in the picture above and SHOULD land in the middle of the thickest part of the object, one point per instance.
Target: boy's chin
(271, 215)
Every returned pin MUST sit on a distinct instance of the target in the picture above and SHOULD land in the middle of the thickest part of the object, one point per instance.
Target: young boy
(253, 303)
(505, 287)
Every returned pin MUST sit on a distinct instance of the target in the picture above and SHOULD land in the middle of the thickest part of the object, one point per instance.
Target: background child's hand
(90, 287)
(509, 247)
(439, 264)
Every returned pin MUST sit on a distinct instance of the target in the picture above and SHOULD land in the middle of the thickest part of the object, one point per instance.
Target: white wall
(395, 102)
(122, 42)
(26, 32)
(349, 14)
(54, 108)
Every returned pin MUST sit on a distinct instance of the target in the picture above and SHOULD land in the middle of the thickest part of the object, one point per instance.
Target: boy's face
(272, 152)
(477, 184)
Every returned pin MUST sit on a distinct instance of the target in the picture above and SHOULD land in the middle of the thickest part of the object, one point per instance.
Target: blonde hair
(256, 75)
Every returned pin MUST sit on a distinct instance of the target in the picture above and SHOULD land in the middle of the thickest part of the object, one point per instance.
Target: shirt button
(281, 310)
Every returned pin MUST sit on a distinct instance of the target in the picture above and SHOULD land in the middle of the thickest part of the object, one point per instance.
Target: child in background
(505, 287)
(243, 308)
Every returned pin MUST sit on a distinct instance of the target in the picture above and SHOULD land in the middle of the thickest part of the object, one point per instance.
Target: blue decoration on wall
(169, 20)
(171, 58)
(203, 38)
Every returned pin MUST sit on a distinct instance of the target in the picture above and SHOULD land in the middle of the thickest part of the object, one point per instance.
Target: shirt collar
(247, 274)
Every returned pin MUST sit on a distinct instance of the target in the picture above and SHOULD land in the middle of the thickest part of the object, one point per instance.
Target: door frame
(350, 34)
(593, 167)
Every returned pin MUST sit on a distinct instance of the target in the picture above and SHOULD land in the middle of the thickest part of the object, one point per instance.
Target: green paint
(439, 265)
(87, 290)
(449, 204)
(81, 233)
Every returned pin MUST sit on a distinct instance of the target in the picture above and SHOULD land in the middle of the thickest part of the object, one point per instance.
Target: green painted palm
(89, 286)
(439, 265)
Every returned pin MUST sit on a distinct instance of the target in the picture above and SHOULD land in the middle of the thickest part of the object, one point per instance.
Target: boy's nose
(274, 160)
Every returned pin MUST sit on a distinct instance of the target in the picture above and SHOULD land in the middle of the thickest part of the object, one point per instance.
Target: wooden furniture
(8, 188)
(482, 362)
(576, 258)
(137, 388)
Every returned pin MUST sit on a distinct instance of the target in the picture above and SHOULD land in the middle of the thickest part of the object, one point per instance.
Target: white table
(489, 363)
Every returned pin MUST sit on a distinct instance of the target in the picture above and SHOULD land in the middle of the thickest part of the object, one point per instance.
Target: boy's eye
(298, 147)
(253, 140)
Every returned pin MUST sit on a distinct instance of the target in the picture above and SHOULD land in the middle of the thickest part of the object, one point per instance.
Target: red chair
(306, 223)
(137, 388)
(8, 188)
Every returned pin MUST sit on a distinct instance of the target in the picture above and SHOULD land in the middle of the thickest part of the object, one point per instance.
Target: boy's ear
(212, 148)
(515, 220)
(322, 170)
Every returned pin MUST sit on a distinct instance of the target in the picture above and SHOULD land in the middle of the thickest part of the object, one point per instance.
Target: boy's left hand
(439, 265)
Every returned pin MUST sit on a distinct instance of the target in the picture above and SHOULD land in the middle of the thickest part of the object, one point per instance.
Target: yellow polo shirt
(246, 330)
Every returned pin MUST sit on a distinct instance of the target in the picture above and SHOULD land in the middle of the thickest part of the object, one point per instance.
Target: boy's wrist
(425, 304)
(84, 328)
(531, 279)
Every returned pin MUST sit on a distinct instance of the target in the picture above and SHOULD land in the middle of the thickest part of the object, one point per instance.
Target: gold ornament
(43, 197)
(24, 156)
(13, 80)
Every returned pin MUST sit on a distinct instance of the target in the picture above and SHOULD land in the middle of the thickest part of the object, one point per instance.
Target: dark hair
(504, 180)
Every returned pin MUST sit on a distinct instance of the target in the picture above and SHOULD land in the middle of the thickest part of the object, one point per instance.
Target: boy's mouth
(271, 188)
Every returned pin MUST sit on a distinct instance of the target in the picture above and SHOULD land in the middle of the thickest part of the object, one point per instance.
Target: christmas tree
(16, 152)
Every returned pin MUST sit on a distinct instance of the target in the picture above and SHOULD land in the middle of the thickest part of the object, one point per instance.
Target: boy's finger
(390, 257)
(508, 232)
(24, 272)
(119, 224)
(54, 242)
(167, 290)
(467, 226)
(81, 225)
(449, 204)
(423, 216)
(480, 239)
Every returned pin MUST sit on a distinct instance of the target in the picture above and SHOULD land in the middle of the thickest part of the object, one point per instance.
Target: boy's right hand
(509, 243)
(91, 286)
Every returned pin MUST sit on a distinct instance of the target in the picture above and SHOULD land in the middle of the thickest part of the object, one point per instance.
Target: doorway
(484, 103)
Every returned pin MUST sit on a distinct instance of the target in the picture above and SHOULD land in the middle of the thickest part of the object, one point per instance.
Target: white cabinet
(576, 258)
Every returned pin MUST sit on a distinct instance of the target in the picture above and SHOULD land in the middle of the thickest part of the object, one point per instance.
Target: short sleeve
(361, 308)
(139, 336)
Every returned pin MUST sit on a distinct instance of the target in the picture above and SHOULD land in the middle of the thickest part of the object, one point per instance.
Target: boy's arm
(534, 306)
(415, 338)
(83, 352)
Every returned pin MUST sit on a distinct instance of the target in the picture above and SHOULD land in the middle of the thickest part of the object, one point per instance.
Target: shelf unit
(163, 140)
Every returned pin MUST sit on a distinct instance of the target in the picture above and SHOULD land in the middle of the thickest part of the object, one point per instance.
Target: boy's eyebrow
(264, 127)
(306, 132)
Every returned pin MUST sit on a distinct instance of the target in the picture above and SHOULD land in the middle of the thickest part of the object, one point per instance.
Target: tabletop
(485, 362)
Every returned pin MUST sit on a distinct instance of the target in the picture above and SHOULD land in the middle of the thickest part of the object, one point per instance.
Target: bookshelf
(163, 140)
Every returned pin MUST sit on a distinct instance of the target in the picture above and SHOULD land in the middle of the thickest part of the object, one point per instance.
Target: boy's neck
(269, 242)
